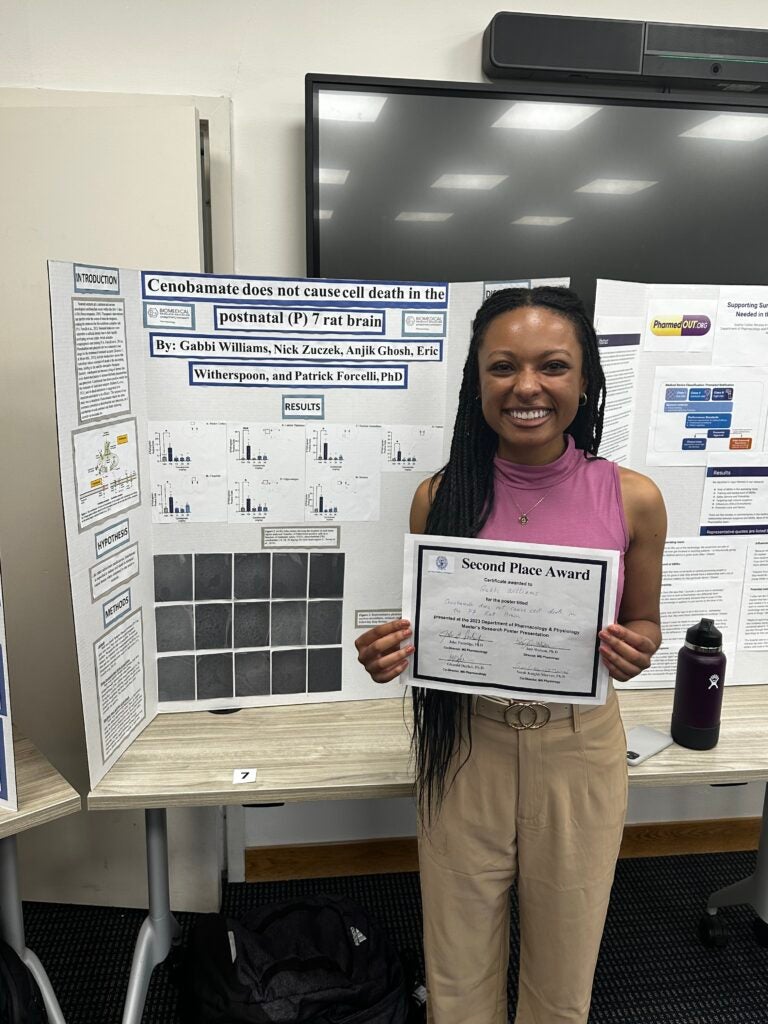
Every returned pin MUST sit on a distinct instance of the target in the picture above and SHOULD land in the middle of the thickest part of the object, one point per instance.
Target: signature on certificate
(460, 661)
(467, 636)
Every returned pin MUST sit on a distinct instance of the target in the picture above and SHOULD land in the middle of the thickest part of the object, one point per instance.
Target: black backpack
(20, 999)
(317, 959)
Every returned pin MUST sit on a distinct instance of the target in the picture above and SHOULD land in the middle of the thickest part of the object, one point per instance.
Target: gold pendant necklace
(523, 517)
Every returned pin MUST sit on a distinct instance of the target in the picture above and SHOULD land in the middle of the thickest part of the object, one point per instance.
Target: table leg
(752, 890)
(12, 926)
(160, 928)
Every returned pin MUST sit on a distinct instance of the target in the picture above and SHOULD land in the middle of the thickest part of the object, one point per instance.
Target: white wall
(123, 188)
(257, 52)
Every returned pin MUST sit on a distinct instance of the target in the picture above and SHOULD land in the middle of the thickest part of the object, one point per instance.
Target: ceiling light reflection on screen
(546, 117)
(470, 181)
(349, 106)
(324, 214)
(542, 222)
(730, 128)
(331, 176)
(425, 218)
(616, 186)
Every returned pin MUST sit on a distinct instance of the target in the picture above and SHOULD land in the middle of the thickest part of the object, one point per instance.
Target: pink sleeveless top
(581, 504)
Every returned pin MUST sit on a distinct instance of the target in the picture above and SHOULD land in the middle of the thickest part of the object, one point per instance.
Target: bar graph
(168, 506)
(193, 498)
(265, 447)
(355, 497)
(407, 447)
(342, 472)
(393, 451)
(167, 448)
(241, 447)
(319, 505)
(324, 449)
(187, 463)
(246, 503)
(257, 499)
(186, 445)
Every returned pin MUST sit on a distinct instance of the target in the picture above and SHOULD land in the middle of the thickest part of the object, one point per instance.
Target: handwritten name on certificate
(509, 620)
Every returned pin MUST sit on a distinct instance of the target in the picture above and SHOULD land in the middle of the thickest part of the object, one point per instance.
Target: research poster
(238, 457)
(687, 374)
(741, 334)
(8, 800)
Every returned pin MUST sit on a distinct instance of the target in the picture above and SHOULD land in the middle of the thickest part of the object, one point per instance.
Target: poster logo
(440, 563)
(688, 325)
(418, 322)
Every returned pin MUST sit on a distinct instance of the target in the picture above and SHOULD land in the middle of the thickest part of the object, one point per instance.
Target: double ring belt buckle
(525, 714)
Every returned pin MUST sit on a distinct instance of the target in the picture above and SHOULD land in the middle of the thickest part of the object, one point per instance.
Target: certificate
(509, 620)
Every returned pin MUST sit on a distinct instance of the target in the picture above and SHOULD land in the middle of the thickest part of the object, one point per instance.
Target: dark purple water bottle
(699, 687)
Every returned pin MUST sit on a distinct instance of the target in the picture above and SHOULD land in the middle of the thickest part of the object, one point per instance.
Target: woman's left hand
(625, 652)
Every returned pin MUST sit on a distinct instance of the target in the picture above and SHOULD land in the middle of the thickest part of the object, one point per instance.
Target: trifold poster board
(687, 372)
(7, 764)
(238, 457)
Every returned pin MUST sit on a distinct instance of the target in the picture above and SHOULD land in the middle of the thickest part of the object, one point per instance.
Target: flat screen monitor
(416, 180)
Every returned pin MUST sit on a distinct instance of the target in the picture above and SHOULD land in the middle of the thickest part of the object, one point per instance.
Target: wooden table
(362, 749)
(43, 795)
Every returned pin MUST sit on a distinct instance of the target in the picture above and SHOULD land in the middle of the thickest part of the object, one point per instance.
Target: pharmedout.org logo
(688, 325)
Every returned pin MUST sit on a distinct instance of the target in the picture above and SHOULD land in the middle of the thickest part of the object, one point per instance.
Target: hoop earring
(583, 399)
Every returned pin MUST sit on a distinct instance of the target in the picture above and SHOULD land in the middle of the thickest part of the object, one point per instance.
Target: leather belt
(521, 714)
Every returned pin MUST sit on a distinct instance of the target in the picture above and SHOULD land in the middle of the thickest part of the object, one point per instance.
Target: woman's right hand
(380, 653)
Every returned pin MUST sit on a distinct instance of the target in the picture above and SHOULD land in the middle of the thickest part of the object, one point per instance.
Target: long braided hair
(462, 499)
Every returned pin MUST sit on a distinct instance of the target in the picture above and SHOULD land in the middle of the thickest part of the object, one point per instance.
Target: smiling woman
(530, 381)
(504, 794)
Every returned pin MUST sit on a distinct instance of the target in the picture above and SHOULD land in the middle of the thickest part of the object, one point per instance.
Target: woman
(541, 806)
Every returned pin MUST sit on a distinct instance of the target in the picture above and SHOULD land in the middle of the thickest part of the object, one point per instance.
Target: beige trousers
(544, 808)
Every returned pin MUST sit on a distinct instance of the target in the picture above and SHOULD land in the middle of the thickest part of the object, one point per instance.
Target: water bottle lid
(705, 634)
